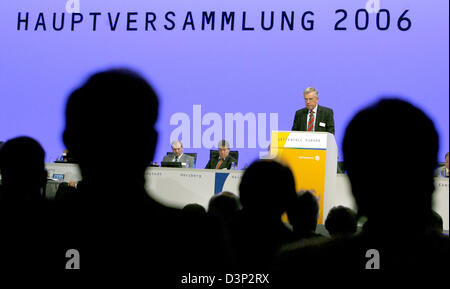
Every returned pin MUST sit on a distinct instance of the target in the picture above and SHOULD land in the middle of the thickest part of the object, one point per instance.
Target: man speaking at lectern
(313, 117)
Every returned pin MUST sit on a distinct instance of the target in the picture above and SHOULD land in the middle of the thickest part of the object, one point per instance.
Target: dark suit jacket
(324, 115)
(225, 164)
(441, 172)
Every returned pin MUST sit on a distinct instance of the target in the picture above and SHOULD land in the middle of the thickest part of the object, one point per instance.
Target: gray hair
(309, 90)
(224, 144)
(175, 144)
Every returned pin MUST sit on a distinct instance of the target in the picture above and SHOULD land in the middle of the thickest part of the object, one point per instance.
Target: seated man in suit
(313, 117)
(224, 160)
(66, 157)
(442, 172)
(187, 161)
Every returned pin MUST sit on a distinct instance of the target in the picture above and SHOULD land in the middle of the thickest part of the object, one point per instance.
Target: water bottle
(187, 164)
(233, 166)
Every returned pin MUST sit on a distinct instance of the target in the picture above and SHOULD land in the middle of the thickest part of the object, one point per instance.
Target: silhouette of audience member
(341, 221)
(396, 203)
(266, 190)
(65, 192)
(116, 111)
(207, 239)
(22, 205)
(22, 168)
(224, 206)
(437, 222)
(121, 228)
(303, 214)
(194, 210)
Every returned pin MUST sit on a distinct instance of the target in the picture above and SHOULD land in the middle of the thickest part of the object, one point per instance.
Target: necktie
(311, 121)
(176, 159)
(219, 164)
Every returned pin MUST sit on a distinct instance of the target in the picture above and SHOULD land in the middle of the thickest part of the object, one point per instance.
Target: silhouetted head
(266, 189)
(65, 192)
(110, 120)
(224, 206)
(22, 166)
(390, 152)
(193, 210)
(437, 222)
(341, 220)
(303, 212)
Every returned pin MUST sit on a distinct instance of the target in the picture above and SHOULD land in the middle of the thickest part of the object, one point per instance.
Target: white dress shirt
(175, 158)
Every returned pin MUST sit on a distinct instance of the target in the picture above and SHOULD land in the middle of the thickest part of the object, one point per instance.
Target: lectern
(312, 157)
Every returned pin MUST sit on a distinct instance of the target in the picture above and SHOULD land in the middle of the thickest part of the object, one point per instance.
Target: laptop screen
(171, 164)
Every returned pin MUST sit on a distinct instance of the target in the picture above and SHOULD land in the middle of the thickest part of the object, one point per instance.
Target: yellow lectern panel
(305, 154)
